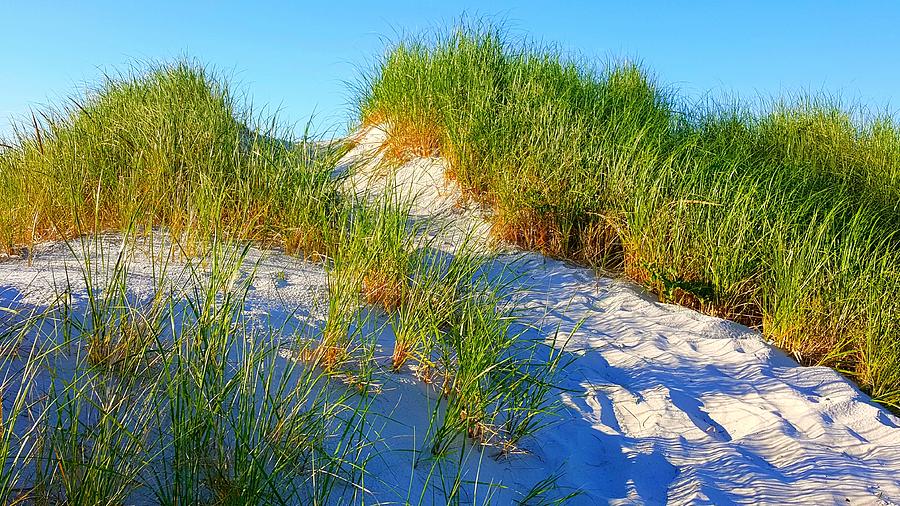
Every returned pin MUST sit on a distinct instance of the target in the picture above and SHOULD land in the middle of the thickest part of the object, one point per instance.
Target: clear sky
(299, 57)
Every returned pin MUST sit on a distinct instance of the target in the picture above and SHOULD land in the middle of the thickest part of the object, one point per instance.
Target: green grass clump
(434, 302)
(495, 382)
(370, 264)
(783, 217)
(166, 146)
(451, 322)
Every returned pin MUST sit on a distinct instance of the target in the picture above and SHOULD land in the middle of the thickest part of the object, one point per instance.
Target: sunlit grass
(175, 398)
(783, 217)
(169, 146)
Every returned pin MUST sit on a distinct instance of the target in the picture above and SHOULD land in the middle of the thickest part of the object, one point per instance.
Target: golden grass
(407, 140)
(383, 289)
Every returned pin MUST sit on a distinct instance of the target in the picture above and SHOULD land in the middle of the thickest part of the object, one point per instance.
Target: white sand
(661, 404)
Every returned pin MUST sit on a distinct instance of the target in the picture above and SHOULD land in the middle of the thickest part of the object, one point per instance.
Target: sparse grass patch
(221, 420)
(382, 243)
(495, 379)
(437, 289)
(370, 265)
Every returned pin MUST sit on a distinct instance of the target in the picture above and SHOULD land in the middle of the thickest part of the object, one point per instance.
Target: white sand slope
(666, 404)
(660, 403)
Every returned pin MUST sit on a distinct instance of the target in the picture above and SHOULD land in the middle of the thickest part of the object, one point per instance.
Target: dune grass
(175, 397)
(168, 146)
(785, 219)
(198, 410)
(452, 325)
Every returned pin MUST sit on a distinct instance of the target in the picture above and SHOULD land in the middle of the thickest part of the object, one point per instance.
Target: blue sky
(299, 57)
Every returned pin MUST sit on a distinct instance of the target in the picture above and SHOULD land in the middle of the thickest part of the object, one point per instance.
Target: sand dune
(660, 403)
